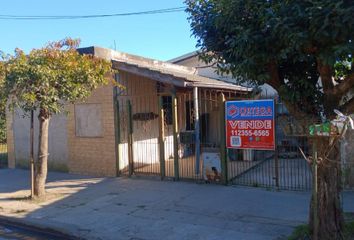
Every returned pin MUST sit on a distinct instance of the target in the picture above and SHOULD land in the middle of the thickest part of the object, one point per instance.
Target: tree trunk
(330, 217)
(41, 166)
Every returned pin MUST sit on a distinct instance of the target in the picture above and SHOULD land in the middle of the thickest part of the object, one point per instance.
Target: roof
(161, 71)
(183, 57)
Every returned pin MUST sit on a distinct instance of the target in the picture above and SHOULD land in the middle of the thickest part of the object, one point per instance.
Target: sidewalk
(120, 208)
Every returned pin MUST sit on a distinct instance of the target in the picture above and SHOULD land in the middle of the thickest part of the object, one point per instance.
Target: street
(122, 208)
(22, 233)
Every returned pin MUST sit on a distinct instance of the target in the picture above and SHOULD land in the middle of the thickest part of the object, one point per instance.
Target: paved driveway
(121, 208)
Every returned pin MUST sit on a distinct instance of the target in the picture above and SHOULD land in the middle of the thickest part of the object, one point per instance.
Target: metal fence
(284, 168)
(148, 129)
(157, 135)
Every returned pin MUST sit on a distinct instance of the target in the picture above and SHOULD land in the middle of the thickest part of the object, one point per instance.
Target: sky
(160, 36)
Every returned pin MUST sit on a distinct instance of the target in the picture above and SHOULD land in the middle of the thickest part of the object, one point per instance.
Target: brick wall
(94, 156)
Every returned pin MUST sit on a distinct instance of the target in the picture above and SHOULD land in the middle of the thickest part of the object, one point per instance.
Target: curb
(38, 228)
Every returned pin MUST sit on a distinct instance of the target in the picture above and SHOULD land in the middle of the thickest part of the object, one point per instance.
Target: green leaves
(49, 77)
(247, 36)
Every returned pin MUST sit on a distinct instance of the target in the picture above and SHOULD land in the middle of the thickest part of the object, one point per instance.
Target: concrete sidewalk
(120, 208)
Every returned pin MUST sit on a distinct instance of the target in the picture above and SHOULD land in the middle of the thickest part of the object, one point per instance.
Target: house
(153, 118)
(209, 70)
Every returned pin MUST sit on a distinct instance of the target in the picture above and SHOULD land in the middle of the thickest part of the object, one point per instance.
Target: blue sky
(161, 36)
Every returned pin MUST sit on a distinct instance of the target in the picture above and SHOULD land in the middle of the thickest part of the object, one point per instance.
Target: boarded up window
(88, 120)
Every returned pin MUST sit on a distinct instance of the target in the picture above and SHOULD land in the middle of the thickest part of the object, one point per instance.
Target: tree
(2, 108)
(45, 80)
(304, 50)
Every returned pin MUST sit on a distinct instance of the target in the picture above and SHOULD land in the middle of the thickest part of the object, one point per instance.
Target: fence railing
(148, 145)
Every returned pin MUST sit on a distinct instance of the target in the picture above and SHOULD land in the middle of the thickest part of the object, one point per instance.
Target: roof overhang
(160, 71)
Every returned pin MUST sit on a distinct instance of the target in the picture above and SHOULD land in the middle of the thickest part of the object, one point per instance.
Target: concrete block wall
(18, 140)
(94, 156)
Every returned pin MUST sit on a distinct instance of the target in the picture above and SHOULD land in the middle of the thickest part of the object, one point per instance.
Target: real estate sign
(250, 124)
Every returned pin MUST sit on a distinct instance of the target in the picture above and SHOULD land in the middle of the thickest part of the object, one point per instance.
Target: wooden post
(175, 136)
(315, 190)
(223, 150)
(196, 130)
(116, 128)
(130, 139)
(162, 139)
(32, 154)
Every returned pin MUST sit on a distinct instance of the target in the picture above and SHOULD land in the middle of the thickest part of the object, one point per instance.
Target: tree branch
(277, 83)
(331, 97)
(348, 107)
(326, 73)
(274, 75)
(344, 86)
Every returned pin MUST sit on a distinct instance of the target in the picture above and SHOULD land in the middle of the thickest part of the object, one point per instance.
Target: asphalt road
(26, 233)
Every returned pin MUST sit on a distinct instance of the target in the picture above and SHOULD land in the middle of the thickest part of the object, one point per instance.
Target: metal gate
(284, 168)
(156, 141)
(138, 130)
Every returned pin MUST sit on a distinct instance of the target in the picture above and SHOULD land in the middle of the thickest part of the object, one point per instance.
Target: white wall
(267, 90)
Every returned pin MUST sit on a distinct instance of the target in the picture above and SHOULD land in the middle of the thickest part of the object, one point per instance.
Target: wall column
(196, 130)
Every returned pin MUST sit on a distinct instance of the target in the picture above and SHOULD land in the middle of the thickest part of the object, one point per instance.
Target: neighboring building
(210, 71)
(121, 129)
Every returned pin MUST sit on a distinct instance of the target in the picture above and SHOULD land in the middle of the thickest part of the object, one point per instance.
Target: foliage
(48, 78)
(2, 106)
(349, 230)
(287, 44)
(301, 232)
(304, 50)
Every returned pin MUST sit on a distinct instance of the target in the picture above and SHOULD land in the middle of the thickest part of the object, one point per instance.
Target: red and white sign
(250, 124)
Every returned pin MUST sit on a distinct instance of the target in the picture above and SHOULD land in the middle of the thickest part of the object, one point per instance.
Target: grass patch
(301, 232)
(349, 230)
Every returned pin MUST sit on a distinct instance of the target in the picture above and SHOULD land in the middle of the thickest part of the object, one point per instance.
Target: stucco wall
(10, 139)
(57, 141)
(347, 153)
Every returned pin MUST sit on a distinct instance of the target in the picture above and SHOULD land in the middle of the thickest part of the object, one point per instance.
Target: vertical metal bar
(276, 151)
(161, 138)
(130, 138)
(116, 126)
(315, 191)
(175, 135)
(32, 154)
(196, 130)
(223, 151)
